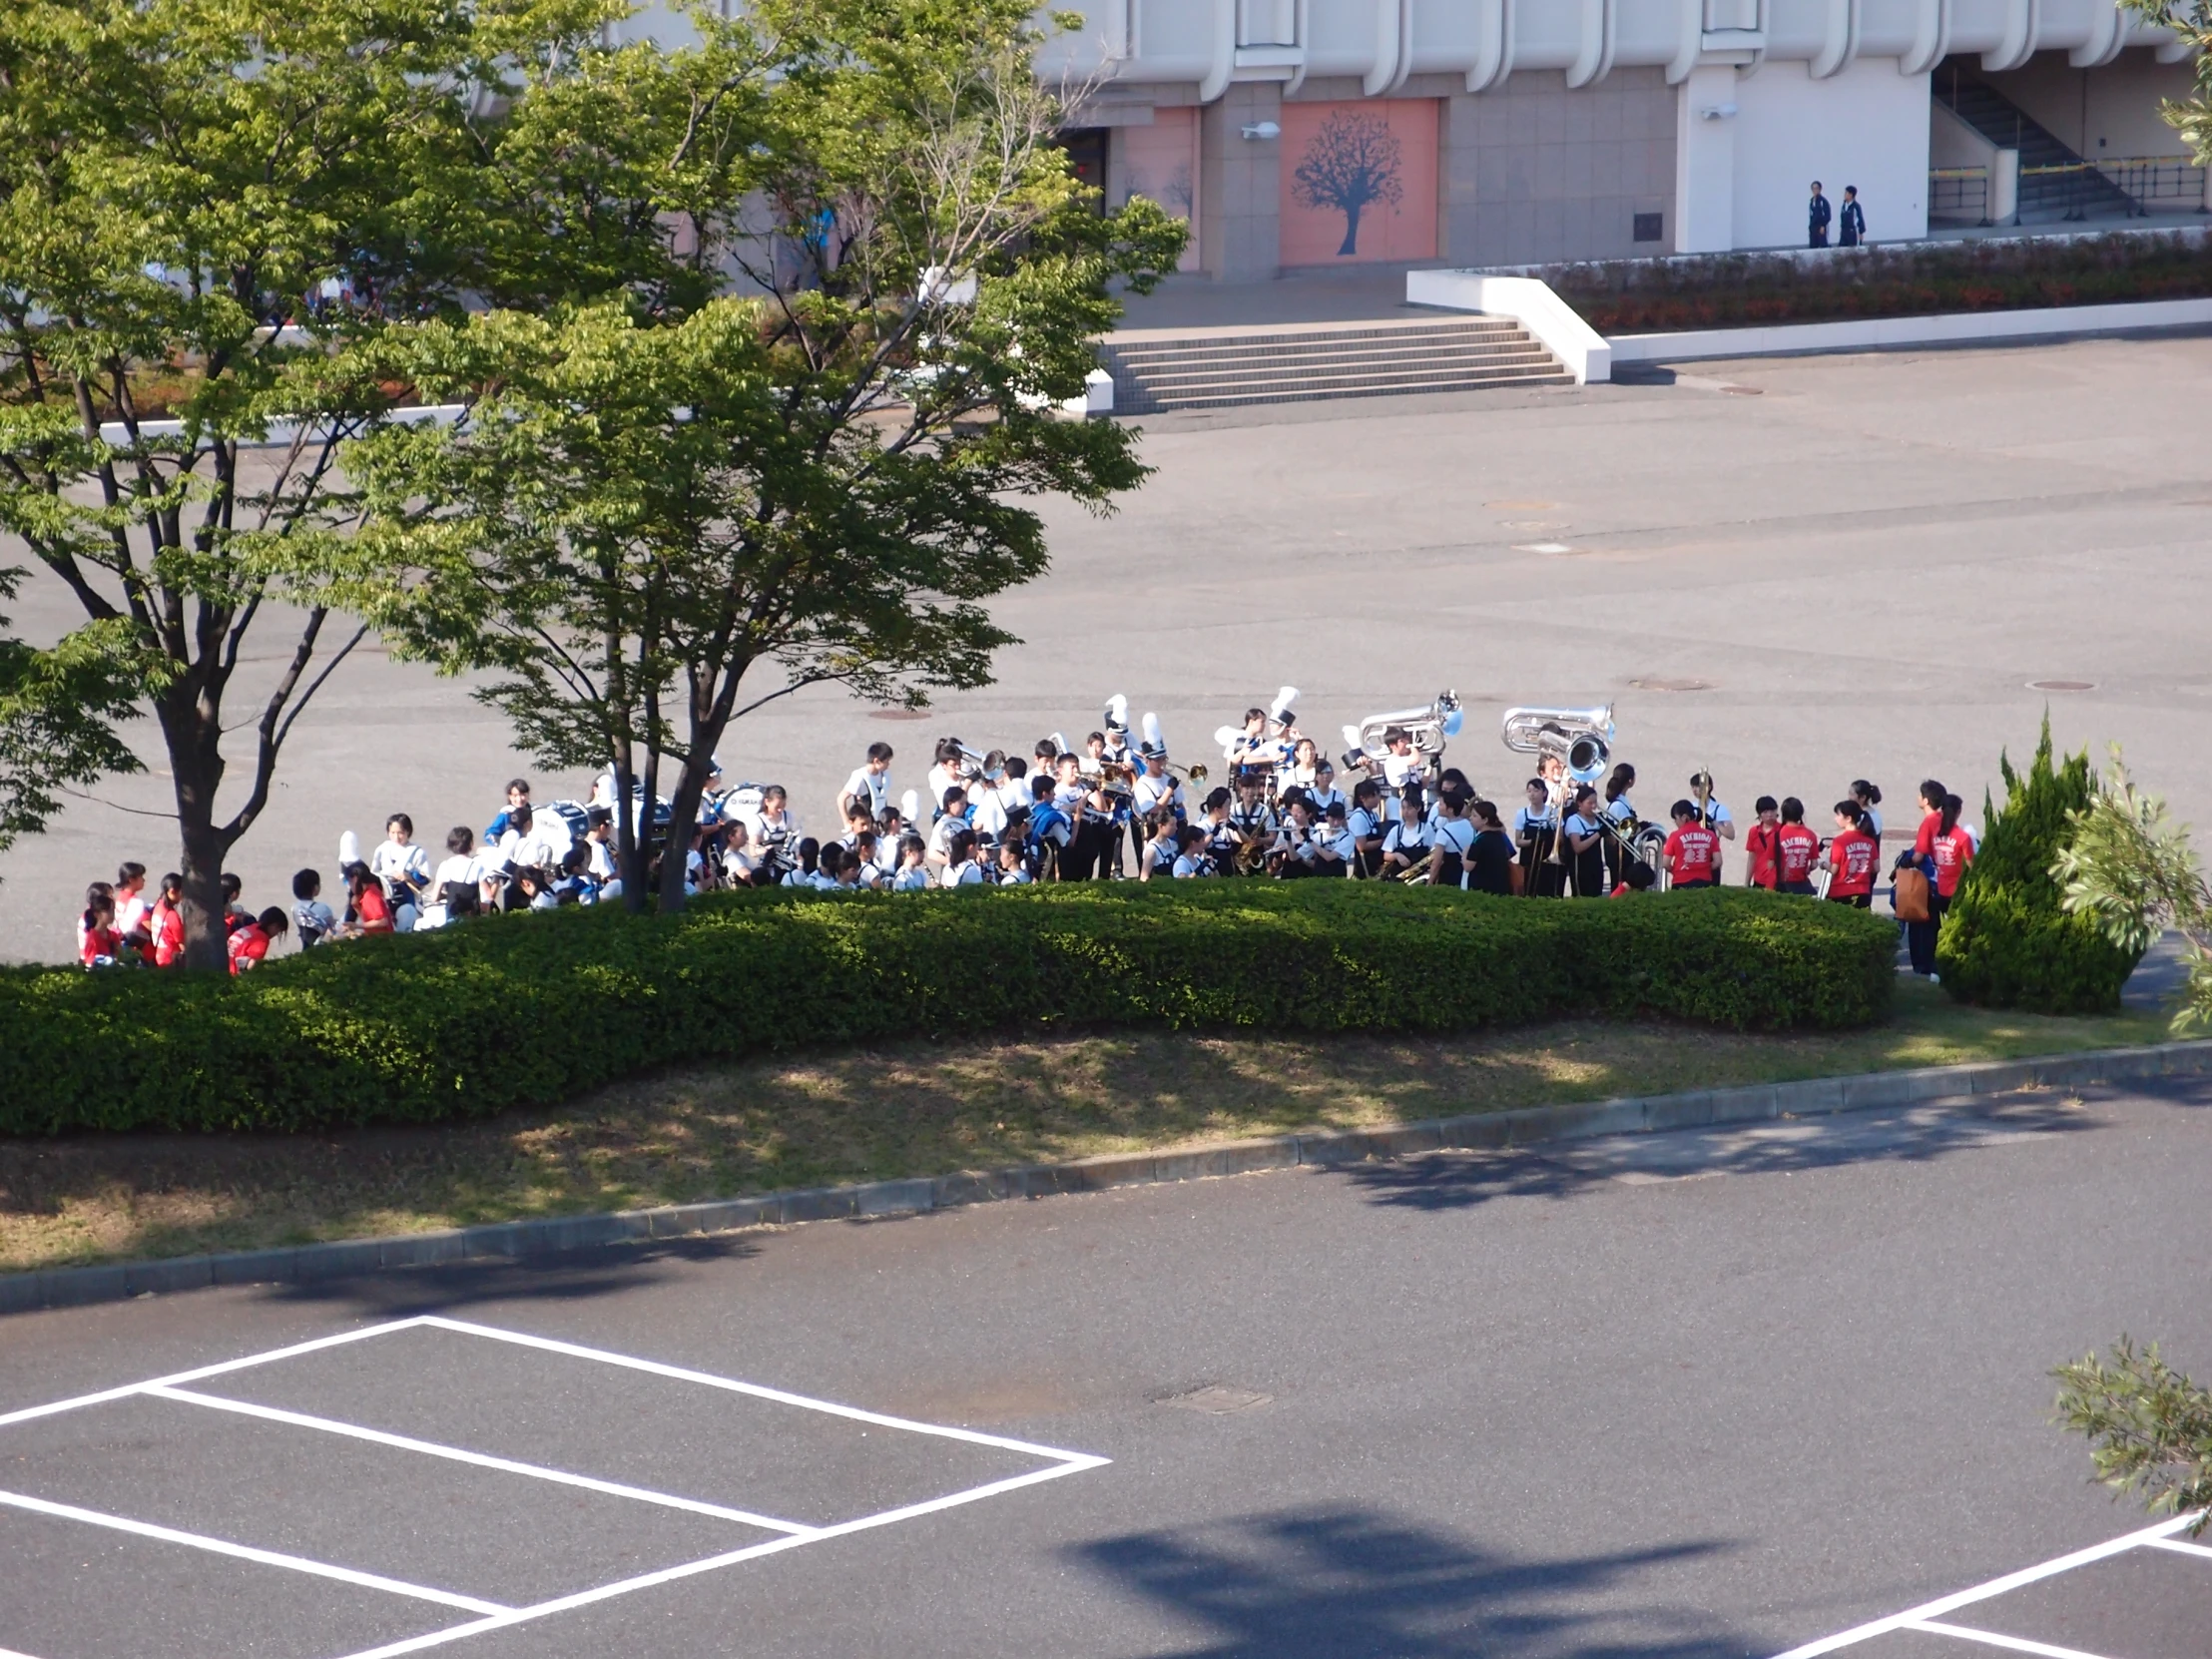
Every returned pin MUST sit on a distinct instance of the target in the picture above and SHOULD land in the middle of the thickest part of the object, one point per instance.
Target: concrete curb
(1475, 1130)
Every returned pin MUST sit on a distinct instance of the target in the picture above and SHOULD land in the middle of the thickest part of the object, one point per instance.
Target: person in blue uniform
(1818, 213)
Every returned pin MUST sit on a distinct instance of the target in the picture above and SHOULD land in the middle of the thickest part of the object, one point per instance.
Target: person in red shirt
(249, 945)
(1693, 851)
(1853, 853)
(1952, 849)
(368, 910)
(164, 922)
(1920, 936)
(1760, 843)
(99, 944)
(1796, 848)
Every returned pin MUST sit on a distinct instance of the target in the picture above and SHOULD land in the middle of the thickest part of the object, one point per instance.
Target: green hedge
(530, 1010)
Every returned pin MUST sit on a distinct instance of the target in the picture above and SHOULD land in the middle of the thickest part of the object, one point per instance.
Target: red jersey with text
(1952, 853)
(1796, 850)
(1853, 855)
(1691, 853)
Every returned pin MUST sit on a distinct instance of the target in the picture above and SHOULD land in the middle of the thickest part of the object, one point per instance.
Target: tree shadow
(1344, 1582)
(1920, 1134)
(572, 1276)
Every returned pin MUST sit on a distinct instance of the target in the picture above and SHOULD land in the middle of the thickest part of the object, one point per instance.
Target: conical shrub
(2006, 940)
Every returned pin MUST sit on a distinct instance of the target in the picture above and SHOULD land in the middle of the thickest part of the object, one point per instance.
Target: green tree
(649, 525)
(2008, 940)
(58, 710)
(2191, 117)
(2129, 870)
(179, 181)
(2149, 1427)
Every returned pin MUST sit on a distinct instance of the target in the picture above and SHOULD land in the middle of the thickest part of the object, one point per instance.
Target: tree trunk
(1352, 231)
(683, 818)
(194, 736)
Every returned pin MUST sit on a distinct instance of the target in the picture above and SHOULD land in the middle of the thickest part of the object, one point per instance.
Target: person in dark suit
(1851, 229)
(1817, 214)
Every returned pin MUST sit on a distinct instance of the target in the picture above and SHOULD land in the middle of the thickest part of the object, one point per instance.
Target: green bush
(530, 1010)
(2006, 940)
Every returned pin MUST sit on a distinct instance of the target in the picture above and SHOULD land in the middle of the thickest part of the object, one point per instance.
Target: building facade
(1300, 134)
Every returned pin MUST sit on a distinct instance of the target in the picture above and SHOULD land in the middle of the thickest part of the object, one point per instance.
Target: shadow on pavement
(1439, 1181)
(1341, 1584)
(405, 1292)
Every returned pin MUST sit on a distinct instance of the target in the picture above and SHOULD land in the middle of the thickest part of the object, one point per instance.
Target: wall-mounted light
(1717, 112)
(1262, 130)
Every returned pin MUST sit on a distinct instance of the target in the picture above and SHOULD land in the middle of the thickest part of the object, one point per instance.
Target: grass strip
(906, 1109)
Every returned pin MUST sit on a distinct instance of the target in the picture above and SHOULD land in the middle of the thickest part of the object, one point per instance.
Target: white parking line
(457, 1454)
(203, 1371)
(246, 1552)
(1931, 1610)
(2181, 1548)
(1991, 1638)
(655, 1368)
(1075, 1465)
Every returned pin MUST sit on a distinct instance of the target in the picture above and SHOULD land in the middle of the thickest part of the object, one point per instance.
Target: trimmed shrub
(1731, 289)
(531, 1009)
(2006, 940)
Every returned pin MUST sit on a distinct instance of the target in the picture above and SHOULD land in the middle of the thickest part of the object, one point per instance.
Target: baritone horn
(1582, 739)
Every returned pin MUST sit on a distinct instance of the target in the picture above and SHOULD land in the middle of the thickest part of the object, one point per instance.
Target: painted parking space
(420, 1481)
(2143, 1595)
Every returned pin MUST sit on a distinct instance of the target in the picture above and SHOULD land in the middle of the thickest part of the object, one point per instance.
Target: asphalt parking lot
(1795, 572)
(1729, 1392)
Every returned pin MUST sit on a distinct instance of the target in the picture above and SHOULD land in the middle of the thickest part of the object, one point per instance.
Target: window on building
(1649, 226)
(1267, 22)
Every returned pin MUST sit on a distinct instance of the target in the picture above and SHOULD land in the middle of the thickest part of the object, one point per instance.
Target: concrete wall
(2121, 105)
(1866, 126)
(1239, 226)
(1533, 172)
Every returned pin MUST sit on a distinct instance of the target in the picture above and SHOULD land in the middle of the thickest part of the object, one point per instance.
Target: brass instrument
(1428, 727)
(1417, 870)
(1582, 739)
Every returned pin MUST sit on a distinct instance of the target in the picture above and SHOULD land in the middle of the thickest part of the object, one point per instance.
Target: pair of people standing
(1851, 232)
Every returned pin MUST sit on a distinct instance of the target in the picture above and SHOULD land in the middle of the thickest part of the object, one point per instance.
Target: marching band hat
(1283, 706)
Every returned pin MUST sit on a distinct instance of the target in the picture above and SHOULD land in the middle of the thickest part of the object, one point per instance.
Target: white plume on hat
(1154, 743)
(1117, 712)
(1351, 740)
(1060, 744)
(909, 806)
(1281, 708)
(349, 849)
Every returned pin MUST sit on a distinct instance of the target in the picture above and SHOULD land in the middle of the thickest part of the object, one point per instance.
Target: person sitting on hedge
(249, 945)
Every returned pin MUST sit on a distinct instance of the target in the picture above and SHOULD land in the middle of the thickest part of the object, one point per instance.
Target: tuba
(1428, 728)
(1582, 739)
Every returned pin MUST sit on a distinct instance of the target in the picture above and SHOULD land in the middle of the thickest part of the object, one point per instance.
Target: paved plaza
(1795, 572)
(1715, 1395)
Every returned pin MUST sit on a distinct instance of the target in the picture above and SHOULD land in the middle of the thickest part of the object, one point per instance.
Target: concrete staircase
(1160, 369)
(2076, 192)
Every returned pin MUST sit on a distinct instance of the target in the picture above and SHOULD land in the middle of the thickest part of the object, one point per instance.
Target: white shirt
(943, 777)
(1149, 791)
(1016, 878)
(602, 858)
(1408, 838)
(391, 862)
(1524, 820)
(1397, 768)
(910, 878)
(465, 868)
(940, 839)
(543, 847)
(872, 788)
(1454, 834)
(130, 914)
(988, 815)
(1361, 825)
(1190, 863)
(966, 875)
(1324, 799)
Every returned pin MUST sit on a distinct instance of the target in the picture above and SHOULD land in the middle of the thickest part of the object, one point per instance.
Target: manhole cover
(898, 714)
(1218, 1398)
(2061, 685)
(1745, 391)
(1665, 685)
(1522, 506)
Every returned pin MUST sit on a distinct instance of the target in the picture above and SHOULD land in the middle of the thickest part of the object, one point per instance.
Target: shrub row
(1739, 289)
(529, 1010)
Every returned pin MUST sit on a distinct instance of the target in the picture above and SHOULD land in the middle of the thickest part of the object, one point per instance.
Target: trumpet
(1582, 739)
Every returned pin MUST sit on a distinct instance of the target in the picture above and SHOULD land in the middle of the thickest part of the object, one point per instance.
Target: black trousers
(1920, 936)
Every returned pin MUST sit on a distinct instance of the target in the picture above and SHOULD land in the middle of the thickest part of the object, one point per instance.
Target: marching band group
(1386, 808)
